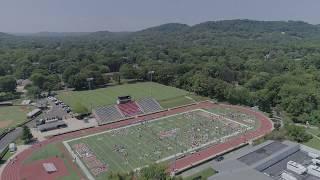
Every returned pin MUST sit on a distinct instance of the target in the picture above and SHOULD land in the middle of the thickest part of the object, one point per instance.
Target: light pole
(89, 82)
(151, 73)
(175, 154)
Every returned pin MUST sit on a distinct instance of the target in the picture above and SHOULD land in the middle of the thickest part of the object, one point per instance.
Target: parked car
(219, 158)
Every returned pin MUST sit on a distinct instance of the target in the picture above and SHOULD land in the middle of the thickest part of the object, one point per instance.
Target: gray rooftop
(240, 174)
(51, 125)
(265, 161)
(262, 153)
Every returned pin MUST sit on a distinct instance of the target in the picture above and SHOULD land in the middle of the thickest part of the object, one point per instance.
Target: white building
(314, 170)
(296, 167)
(287, 176)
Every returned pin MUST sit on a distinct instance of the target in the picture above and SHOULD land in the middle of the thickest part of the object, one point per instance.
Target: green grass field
(12, 115)
(128, 148)
(107, 96)
(314, 143)
(238, 115)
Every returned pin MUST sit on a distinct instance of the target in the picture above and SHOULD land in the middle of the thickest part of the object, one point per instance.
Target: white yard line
(135, 124)
(224, 118)
(199, 147)
(79, 162)
(90, 177)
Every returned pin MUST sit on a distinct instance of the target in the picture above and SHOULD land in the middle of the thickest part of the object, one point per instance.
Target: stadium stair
(130, 109)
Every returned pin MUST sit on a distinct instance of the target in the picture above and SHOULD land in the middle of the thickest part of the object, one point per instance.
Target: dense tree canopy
(265, 64)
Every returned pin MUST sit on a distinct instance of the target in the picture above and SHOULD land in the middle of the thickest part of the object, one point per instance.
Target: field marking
(134, 124)
(226, 118)
(87, 171)
(78, 161)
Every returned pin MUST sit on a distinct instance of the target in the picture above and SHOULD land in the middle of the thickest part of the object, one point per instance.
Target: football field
(135, 146)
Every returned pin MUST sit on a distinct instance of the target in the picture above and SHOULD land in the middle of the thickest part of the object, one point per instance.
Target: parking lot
(56, 110)
(300, 157)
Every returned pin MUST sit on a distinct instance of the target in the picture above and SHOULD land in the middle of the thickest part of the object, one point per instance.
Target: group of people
(89, 158)
(161, 141)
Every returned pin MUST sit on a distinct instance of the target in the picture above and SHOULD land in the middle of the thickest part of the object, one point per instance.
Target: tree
(117, 77)
(121, 176)
(239, 95)
(69, 71)
(78, 81)
(155, 171)
(33, 91)
(79, 108)
(7, 84)
(39, 80)
(2, 70)
(26, 135)
(152, 172)
(128, 71)
(104, 69)
(298, 133)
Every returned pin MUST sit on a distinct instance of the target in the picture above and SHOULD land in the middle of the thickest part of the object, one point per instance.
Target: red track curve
(12, 171)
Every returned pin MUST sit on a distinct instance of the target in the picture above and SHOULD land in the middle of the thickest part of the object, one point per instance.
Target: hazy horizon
(19, 16)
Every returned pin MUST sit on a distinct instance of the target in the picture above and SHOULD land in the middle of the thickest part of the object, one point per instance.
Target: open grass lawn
(314, 143)
(314, 131)
(5, 157)
(108, 96)
(12, 115)
(174, 102)
(51, 150)
(128, 148)
(203, 175)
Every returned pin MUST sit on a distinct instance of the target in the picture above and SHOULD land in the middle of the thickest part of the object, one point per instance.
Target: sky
(24, 16)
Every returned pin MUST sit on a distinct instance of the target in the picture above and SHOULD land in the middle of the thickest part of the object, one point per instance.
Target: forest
(269, 64)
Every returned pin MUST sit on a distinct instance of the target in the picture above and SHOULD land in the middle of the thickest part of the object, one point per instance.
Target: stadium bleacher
(120, 111)
(107, 114)
(149, 105)
(130, 109)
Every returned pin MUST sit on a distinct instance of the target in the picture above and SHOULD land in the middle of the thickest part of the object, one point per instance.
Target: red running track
(12, 171)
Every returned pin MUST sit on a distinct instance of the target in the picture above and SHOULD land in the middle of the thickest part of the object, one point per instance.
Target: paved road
(10, 137)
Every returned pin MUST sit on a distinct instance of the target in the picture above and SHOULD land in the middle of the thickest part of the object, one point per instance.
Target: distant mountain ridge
(240, 28)
(56, 34)
(4, 35)
(296, 29)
